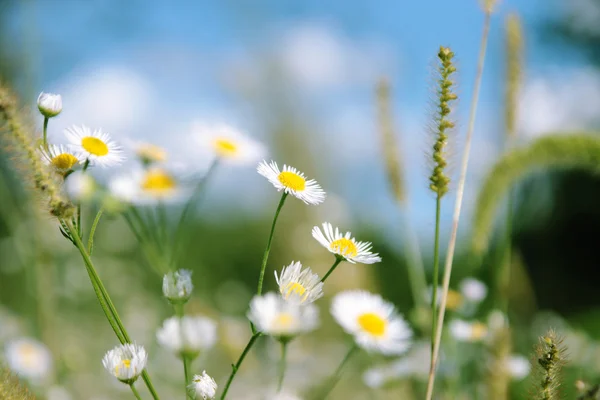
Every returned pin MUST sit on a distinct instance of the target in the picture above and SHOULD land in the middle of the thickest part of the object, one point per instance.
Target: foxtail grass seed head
(281, 319)
(11, 388)
(439, 181)
(550, 355)
(29, 359)
(299, 285)
(203, 387)
(293, 182)
(96, 146)
(489, 6)
(344, 245)
(372, 321)
(187, 336)
(177, 286)
(49, 104)
(514, 62)
(126, 362)
(389, 144)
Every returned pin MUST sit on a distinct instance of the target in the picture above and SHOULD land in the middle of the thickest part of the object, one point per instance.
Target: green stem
(282, 364)
(93, 230)
(338, 260)
(135, 392)
(268, 248)
(45, 137)
(106, 302)
(186, 374)
(78, 224)
(436, 268)
(338, 372)
(505, 266)
(236, 367)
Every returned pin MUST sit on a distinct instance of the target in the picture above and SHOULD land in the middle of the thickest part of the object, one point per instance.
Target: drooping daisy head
(203, 387)
(282, 319)
(372, 321)
(126, 362)
(298, 285)
(177, 286)
(95, 146)
(187, 335)
(148, 186)
(149, 153)
(61, 158)
(49, 104)
(473, 290)
(228, 144)
(465, 331)
(28, 358)
(293, 182)
(345, 246)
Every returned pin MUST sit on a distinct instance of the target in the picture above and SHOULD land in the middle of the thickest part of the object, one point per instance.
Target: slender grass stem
(186, 374)
(268, 248)
(93, 231)
(457, 207)
(45, 137)
(338, 260)
(282, 365)
(335, 378)
(135, 392)
(236, 366)
(436, 269)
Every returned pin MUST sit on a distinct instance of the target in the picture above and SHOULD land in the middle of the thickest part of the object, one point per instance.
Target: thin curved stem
(282, 365)
(135, 392)
(268, 248)
(45, 137)
(436, 269)
(338, 260)
(93, 230)
(335, 378)
(457, 207)
(236, 367)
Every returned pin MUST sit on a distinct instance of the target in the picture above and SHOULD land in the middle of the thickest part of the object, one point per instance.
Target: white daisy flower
(187, 335)
(149, 153)
(297, 285)
(126, 362)
(60, 158)
(454, 301)
(518, 366)
(372, 321)
(228, 144)
(96, 146)
(149, 186)
(292, 182)
(473, 290)
(80, 186)
(345, 246)
(203, 386)
(276, 317)
(415, 364)
(28, 358)
(465, 331)
(49, 104)
(177, 286)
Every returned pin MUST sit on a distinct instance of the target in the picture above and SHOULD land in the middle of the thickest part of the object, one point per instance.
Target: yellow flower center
(344, 247)
(292, 181)
(125, 363)
(454, 300)
(158, 181)
(478, 331)
(284, 320)
(225, 147)
(293, 288)
(94, 146)
(64, 161)
(28, 353)
(151, 153)
(372, 323)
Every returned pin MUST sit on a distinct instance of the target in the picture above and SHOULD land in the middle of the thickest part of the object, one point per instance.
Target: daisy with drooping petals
(284, 320)
(96, 146)
(297, 285)
(148, 186)
(60, 158)
(228, 144)
(293, 182)
(126, 362)
(372, 321)
(203, 387)
(345, 246)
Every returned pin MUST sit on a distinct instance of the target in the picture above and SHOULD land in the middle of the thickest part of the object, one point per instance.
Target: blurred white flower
(293, 182)
(497, 321)
(49, 104)
(96, 146)
(465, 331)
(60, 158)
(454, 301)
(473, 290)
(276, 317)
(203, 386)
(178, 286)
(518, 366)
(415, 364)
(149, 186)
(80, 186)
(126, 362)
(187, 335)
(345, 246)
(58, 393)
(28, 358)
(149, 153)
(228, 144)
(297, 285)
(282, 395)
(372, 321)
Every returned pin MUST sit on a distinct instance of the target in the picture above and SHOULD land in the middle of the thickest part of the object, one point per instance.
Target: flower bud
(177, 286)
(49, 104)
